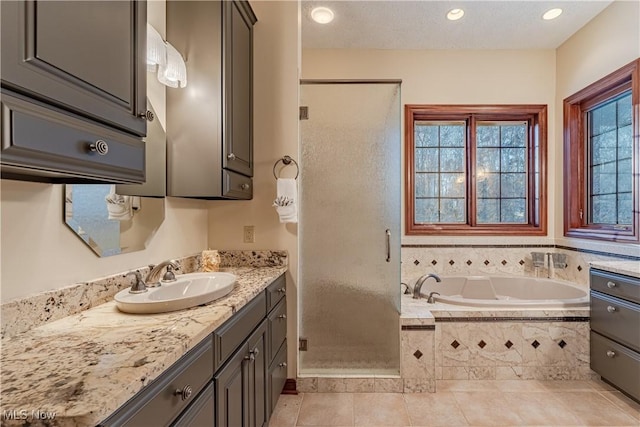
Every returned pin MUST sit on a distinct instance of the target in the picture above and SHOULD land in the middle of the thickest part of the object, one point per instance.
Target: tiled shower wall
(493, 259)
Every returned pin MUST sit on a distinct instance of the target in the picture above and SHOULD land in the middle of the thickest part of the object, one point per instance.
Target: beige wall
(610, 41)
(275, 135)
(452, 77)
(39, 252)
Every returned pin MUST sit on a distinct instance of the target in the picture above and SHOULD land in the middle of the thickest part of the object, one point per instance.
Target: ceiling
(509, 24)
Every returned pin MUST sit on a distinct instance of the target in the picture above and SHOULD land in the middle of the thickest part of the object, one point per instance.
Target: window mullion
(470, 150)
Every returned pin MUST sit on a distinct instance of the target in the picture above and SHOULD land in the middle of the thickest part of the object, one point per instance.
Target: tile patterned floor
(466, 403)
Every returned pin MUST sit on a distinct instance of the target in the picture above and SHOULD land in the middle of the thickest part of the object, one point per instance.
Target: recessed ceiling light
(552, 14)
(455, 14)
(322, 15)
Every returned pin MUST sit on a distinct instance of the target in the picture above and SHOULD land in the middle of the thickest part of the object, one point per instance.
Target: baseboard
(290, 386)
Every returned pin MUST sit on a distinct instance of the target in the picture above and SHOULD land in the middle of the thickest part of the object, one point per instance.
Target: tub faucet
(420, 282)
(153, 278)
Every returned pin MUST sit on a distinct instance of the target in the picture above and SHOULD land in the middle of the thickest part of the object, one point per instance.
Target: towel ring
(286, 160)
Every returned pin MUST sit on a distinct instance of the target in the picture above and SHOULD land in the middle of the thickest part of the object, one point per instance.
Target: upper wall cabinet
(210, 124)
(74, 81)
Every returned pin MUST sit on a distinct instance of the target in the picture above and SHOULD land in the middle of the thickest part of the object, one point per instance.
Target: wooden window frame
(536, 115)
(575, 156)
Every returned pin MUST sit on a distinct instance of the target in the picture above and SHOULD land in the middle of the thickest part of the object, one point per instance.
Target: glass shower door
(350, 186)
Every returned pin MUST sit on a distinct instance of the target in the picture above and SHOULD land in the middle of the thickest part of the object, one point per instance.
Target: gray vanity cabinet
(210, 136)
(173, 394)
(231, 379)
(82, 60)
(615, 330)
(240, 385)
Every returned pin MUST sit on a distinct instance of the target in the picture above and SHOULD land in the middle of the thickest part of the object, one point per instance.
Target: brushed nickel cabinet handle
(283, 365)
(231, 156)
(611, 353)
(611, 309)
(282, 316)
(100, 147)
(611, 285)
(147, 115)
(185, 393)
(245, 186)
(282, 290)
(252, 354)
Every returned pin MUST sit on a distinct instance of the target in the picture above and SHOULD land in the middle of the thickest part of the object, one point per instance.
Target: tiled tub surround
(503, 344)
(25, 313)
(492, 260)
(84, 366)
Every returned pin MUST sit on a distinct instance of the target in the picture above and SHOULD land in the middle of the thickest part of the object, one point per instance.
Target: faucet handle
(138, 286)
(169, 275)
(559, 260)
(538, 259)
(406, 290)
(431, 299)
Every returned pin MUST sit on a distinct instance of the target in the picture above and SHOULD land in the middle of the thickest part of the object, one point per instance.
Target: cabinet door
(241, 384)
(231, 385)
(257, 375)
(238, 20)
(84, 56)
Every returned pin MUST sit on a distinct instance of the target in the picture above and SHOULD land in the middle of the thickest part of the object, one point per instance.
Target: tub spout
(418, 286)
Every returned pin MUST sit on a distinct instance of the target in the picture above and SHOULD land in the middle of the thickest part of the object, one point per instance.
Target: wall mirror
(114, 220)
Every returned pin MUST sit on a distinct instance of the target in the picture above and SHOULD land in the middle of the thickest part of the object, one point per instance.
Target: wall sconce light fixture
(164, 59)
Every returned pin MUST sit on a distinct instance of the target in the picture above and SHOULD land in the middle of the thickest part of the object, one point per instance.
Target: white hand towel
(286, 202)
(119, 207)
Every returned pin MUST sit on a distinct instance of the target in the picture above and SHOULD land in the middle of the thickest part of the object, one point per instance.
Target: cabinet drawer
(277, 376)
(277, 328)
(230, 335)
(158, 404)
(236, 186)
(616, 318)
(616, 285)
(50, 144)
(201, 412)
(616, 363)
(275, 292)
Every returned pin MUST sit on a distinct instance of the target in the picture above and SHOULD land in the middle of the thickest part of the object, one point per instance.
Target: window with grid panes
(601, 149)
(474, 169)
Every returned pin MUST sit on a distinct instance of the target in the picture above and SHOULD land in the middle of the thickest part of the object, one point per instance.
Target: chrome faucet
(139, 286)
(153, 278)
(420, 282)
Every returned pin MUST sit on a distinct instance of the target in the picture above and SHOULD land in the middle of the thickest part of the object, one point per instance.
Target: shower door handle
(388, 233)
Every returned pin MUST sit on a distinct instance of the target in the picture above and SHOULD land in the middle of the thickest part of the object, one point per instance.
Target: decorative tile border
(418, 327)
(566, 248)
(512, 319)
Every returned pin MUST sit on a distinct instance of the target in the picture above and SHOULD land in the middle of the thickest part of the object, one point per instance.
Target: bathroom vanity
(615, 324)
(220, 364)
(231, 378)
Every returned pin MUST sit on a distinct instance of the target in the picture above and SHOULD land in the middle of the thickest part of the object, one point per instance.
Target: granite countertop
(628, 268)
(85, 366)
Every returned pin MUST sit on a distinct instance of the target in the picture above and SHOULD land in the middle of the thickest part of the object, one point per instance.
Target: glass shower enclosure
(349, 235)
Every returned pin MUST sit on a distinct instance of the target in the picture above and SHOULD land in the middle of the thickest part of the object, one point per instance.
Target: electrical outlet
(249, 234)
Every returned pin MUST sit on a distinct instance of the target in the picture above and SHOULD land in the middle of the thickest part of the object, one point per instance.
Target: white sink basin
(187, 291)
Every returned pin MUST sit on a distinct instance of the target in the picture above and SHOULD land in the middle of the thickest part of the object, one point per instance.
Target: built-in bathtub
(506, 292)
(495, 328)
